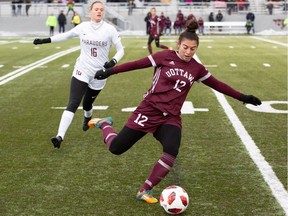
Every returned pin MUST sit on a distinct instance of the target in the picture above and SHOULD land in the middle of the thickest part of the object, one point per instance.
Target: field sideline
(233, 158)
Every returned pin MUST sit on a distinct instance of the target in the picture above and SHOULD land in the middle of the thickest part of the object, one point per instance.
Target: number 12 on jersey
(141, 119)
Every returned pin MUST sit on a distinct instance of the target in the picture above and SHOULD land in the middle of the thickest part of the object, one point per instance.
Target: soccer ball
(174, 199)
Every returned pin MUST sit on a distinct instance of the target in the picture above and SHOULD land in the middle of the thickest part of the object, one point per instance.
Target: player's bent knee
(73, 106)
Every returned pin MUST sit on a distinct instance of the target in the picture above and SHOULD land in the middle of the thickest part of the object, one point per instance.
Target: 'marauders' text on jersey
(95, 41)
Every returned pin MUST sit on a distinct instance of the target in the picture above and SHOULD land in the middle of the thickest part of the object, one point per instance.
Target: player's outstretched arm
(227, 90)
(104, 73)
(41, 41)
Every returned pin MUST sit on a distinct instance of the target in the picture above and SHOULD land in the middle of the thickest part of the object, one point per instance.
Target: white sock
(88, 114)
(65, 122)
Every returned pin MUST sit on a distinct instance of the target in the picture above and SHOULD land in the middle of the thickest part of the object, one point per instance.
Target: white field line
(270, 41)
(266, 170)
(19, 72)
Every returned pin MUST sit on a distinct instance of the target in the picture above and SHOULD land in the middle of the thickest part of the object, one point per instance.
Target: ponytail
(190, 32)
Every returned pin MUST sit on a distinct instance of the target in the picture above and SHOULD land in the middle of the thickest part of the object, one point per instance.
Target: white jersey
(96, 40)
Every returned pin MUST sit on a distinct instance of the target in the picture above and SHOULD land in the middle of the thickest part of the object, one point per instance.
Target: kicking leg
(170, 138)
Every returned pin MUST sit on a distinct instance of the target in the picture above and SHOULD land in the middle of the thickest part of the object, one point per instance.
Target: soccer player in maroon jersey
(181, 18)
(160, 111)
(155, 31)
(177, 26)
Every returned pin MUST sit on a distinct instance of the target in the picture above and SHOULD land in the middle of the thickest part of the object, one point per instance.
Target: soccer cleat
(146, 196)
(56, 141)
(97, 122)
(85, 126)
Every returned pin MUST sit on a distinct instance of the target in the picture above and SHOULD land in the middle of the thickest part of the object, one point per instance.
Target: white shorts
(92, 82)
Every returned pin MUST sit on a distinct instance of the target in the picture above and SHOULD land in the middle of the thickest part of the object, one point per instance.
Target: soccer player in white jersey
(96, 37)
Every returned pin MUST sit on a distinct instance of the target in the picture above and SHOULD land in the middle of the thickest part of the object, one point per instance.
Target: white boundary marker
(271, 41)
(19, 72)
(265, 169)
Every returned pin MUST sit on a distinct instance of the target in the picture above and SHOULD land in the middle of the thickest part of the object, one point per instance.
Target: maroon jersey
(168, 23)
(155, 26)
(172, 79)
(180, 16)
(177, 24)
(200, 22)
(162, 23)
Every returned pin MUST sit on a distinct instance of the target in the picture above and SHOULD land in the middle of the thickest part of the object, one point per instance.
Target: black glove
(41, 41)
(250, 99)
(104, 73)
(110, 64)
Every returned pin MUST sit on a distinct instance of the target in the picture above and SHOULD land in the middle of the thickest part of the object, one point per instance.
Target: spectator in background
(180, 17)
(27, 6)
(14, 8)
(19, 7)
(240, 5)
(246, 5)
(62, 21)
(130, 7)
(285, 23)
(219, 18)
(285, 5)
(177, 26)
(249, 26)
(168, 24)
(201, 25)
(51, 22)
(250, 16)
(270, 6)
(162, 23)
(70, 6)
(154, 31)
(147, 20)
(76, 20)
(211, 19)
(191, 17)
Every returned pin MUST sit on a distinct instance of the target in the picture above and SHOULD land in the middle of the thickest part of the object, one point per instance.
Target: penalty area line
(23, 70)
(264, 167)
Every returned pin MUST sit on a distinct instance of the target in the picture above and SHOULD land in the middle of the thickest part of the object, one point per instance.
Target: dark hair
(190, 32)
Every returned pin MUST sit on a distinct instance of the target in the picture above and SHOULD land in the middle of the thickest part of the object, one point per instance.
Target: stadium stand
(117, 14)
